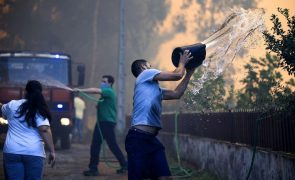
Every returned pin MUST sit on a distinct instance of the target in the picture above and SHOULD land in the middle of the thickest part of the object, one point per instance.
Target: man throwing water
(146, 154)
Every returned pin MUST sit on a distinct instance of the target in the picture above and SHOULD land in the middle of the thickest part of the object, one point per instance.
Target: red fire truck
(54, 71)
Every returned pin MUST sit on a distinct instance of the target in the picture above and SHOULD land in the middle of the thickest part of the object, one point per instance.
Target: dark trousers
(146, 156)
(108, 132)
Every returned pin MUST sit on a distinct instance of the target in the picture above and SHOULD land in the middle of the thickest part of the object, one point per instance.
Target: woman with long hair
(28, 127)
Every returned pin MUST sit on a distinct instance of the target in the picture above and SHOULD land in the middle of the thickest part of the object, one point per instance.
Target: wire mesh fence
(275, 131)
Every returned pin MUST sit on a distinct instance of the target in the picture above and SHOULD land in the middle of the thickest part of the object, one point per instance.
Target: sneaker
(122, 170)
(91, 173)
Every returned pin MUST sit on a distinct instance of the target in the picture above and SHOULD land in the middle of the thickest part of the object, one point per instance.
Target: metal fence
(275, 131)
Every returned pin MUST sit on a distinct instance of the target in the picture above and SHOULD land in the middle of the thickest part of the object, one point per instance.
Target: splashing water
(241, 29)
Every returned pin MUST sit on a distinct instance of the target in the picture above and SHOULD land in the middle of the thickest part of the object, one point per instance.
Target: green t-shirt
(107, 106)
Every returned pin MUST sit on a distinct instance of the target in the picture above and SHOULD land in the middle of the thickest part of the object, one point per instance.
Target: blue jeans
(79, 129)
(19, 167)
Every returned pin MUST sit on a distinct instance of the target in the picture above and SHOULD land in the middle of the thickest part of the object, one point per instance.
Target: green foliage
(230, 100)
(282, 42)
(210, 97)
(263, 87)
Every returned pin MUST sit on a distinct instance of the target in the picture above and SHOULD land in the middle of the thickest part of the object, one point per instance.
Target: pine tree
(282, 42)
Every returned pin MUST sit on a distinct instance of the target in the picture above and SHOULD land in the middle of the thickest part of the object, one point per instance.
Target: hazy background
(89, 31)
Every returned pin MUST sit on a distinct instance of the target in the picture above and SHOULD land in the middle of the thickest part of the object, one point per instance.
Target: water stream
(50, 82)
(241, 29)
(54, 83)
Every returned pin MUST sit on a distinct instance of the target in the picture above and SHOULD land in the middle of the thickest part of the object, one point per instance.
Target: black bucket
(198, 52)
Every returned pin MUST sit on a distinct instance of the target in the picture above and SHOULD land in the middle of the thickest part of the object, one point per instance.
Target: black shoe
(122, 170)
(91, 173)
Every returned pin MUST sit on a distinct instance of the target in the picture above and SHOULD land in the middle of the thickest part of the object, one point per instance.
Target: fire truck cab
(54, 71)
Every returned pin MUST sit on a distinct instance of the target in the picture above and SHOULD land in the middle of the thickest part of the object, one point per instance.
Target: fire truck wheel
(65, 141)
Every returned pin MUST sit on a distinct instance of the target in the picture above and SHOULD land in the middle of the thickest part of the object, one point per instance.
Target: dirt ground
(71, 163)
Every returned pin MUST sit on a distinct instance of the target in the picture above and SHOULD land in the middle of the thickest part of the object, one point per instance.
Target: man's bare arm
(180, 89)
(178, 73)
(89, 90)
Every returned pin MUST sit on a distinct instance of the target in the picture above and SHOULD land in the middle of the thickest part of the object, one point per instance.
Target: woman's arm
(46, 134)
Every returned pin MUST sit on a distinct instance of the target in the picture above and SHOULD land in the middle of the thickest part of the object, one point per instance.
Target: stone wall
(230, 161)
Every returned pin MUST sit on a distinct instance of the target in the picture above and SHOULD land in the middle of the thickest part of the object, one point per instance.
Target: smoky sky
(89, 30)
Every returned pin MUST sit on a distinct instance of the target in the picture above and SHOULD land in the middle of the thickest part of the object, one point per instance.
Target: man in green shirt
(105, 126)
